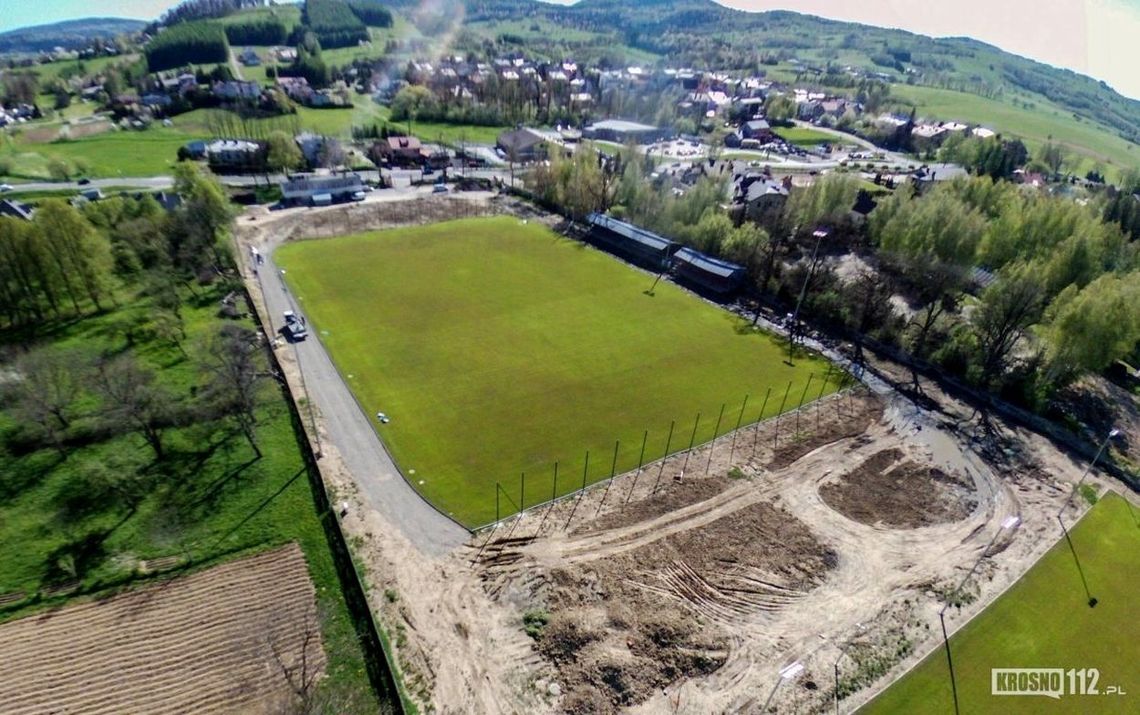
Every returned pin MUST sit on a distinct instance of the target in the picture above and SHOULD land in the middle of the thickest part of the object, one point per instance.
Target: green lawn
(1043, 621)
(805, 137)
(497, 348)
(209, 499)
(118, 153)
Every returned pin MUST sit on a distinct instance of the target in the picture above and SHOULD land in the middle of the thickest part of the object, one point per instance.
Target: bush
(534, 621)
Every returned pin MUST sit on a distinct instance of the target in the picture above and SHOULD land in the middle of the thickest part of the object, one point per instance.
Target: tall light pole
(819, 234)
(1009, 522)
(1112, 433)
(1060, 514)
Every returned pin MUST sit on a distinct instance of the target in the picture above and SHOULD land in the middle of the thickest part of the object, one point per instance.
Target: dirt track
(202, 643)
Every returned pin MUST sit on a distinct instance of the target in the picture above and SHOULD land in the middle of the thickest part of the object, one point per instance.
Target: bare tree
(51, 381)
(132, 400)
(230, 361)
(296, 652)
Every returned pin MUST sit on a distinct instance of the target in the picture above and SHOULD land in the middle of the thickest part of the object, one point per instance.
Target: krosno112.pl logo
(1049, 682)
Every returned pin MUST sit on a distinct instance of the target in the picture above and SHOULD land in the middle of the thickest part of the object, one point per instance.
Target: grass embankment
(1043, 621)
(63, 520)
(497, 347)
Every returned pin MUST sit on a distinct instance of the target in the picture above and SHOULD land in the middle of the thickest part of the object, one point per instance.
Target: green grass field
(1043, 621)
(497, 348)
(803, 136)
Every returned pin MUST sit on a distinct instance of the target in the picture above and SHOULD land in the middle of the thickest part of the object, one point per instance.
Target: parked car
(84, 181)
(294, 329)
(4, 188)
(439, 189)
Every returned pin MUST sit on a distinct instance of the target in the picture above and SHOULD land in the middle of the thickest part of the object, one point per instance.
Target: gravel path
(350, 429)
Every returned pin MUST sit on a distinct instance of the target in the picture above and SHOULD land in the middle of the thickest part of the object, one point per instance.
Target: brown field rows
(216, 641)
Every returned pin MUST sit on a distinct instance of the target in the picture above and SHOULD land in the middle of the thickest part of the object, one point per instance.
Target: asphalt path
(397, 177)
(352, 430)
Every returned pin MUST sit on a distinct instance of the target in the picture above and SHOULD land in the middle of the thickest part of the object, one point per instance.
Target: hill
(69, 34)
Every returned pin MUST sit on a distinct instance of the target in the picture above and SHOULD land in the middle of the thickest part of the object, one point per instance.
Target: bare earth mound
(216, 641)
(889, 489)
(628, 624)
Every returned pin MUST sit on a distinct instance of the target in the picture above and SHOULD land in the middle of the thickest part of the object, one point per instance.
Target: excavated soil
(626, 625)
(891, 490)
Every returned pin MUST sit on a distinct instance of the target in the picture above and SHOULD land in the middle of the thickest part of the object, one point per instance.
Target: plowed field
(216, 641)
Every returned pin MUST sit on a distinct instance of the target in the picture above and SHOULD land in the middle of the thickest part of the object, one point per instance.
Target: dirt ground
(663, 593)
(890, 489)
(240, 625)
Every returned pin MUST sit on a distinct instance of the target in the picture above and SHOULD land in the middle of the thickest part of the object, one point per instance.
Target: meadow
(1044, 621)
(805, 137)
(497, 347)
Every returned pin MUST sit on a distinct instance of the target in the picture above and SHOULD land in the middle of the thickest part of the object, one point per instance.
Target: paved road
(399, 178)
(352, 430)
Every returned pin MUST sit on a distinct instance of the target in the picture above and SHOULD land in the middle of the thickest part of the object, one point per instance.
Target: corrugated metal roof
(628, 230)
(715, 266)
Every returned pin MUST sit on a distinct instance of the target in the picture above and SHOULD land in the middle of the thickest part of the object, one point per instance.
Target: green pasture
(498, 348)
(1044, 621)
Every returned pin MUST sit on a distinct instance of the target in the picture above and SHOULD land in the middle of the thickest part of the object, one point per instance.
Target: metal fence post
(799, 408)
(613, 471)
(739, 419)
(760, 421)
(640, 461)
(581, 491)
(712, 444)
(668, 442)
(780, 414)
(689, 451)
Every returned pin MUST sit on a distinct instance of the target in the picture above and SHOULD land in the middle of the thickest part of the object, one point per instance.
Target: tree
(201, 221)
(132, 401)
(80, 254)
(234, 380)
(826, 202)
(939, 225)
(58, 169)
(1053, 155)
(51, 383)
(1093, 327)
(1007, 309)
(780, 108)
(282, 153)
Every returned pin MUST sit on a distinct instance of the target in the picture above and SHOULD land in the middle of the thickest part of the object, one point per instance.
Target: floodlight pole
(1009, 523)
(1060, 514)
(793, 330)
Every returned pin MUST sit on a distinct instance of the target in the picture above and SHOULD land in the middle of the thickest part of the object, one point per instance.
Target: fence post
(496, 502)
(819, 397)
(522, 492)
(582, 491)
(712, 444)
(760, 421)
(689, 451)
(668, 442)
(640, 461)
(780, 414)
(799, 408)
(613, 471)
(739, 419)
(553, 497)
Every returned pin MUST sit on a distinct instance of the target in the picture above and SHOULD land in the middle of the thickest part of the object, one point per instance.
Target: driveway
(350, 429)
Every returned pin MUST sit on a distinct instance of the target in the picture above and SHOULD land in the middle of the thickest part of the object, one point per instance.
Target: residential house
(398, 151)
(525, 144)
(16, 209)
(233, 154)
(311, 189)
(236, 89)
(249, 58)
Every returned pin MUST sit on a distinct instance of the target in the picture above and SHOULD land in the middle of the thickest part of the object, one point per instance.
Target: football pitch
(1044, 621)
(498, 348)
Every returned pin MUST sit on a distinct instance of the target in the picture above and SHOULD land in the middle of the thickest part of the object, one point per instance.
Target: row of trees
(1056, 298)
(334, 23)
